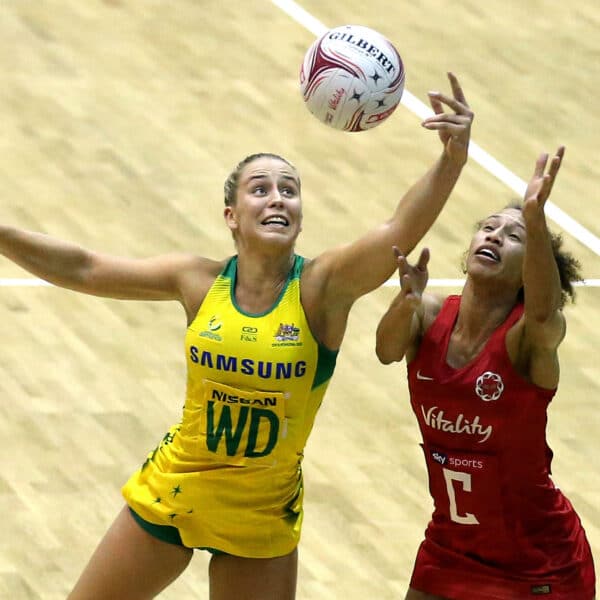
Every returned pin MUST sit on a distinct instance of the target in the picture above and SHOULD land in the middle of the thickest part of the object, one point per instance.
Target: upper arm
(399, 336)
(359, 267)
(430, 307)
(544, 335)
(533, 348)
(396, 335)
(325, 298)
(165, 277)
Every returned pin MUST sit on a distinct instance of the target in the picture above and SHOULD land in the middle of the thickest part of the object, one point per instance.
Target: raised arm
(401, 324)
(540, 273)
(70, 266)
(537, 335)
(364, 265)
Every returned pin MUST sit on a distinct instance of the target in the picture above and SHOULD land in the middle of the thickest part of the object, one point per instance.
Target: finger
(454, 129)
(555, 167)
(544, 192)
(457, 106)
(448, 118)
(556, 162)
(405, 284)
(548, 182)
(436, 105)
(397, 252)
(403, 266)
(457, 91)
(540, 165)
(423, 259)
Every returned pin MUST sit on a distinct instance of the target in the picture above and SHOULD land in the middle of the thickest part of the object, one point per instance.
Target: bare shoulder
(200, 265)
(313, 281)
(533, 348)
(530, 336)
(431, 306)
(323, 283)
(312, 284)
(325, 304)
(196, 274)
(189, 269)
(320, 285)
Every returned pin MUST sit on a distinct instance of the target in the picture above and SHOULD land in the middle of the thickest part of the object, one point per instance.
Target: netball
(352, 78)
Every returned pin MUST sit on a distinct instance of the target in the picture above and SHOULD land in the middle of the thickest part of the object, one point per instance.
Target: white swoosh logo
(423, 377)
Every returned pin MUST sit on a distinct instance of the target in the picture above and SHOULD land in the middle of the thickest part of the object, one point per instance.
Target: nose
(275, 199)
(494, 236)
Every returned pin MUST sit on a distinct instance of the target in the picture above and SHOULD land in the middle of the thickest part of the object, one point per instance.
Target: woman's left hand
(454, 129)
(540, 185)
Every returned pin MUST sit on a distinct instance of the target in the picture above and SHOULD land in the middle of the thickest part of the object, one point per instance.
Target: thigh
(130, 564)
(416, 595)
(237, 578)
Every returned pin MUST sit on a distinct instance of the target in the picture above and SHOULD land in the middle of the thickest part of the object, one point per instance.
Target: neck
(482, 310)
(260, 279)
(263, 267)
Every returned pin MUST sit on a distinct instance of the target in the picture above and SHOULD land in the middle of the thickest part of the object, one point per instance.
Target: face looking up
(268, 205)
(498, 247)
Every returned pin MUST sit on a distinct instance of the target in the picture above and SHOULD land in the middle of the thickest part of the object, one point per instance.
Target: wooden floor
(120, 121)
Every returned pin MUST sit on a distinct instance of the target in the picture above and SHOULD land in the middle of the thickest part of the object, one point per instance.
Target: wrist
(536, 225)
(456, 159)
(403, 307)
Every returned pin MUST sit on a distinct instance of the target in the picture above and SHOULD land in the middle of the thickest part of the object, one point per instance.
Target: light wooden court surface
(120, 121)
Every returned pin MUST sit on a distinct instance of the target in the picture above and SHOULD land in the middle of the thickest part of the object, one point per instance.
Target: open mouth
(488, 253)
(276, 220)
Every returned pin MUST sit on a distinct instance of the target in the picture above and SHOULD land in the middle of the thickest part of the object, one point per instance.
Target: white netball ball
(352, 78)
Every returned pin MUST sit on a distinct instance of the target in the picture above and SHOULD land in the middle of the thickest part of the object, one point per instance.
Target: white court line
(22, 282)
(461, 282)
(488, 162)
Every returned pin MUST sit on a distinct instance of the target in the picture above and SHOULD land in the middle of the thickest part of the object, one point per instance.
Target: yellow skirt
(253, 511)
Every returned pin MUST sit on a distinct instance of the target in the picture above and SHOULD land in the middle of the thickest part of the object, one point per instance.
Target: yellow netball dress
(229, 475)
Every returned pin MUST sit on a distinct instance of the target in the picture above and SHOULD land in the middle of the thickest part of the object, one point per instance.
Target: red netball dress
(500, 529)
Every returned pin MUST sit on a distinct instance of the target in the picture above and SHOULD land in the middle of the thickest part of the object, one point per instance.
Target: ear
(230, 218)
(463, 261)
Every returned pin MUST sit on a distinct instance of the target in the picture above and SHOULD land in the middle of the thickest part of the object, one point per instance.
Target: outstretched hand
(413, 278)
(540, 185)
(454, 129)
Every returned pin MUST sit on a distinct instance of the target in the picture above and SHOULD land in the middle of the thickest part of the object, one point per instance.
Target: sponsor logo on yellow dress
(213, 325)
(249, 334)
(287, 335)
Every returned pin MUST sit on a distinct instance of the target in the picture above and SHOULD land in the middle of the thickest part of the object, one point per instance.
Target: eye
(259, 190)
(514, 236)
(289, 192)
(487, 228)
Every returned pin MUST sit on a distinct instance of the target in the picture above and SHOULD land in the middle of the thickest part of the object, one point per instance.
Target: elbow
(79, 273)
(542, 315)
(383, 359)
(387, 348)
(386, 356)
(541, 319)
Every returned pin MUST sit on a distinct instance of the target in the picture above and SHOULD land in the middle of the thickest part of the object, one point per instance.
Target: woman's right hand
(413, 278)
(400, 325)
